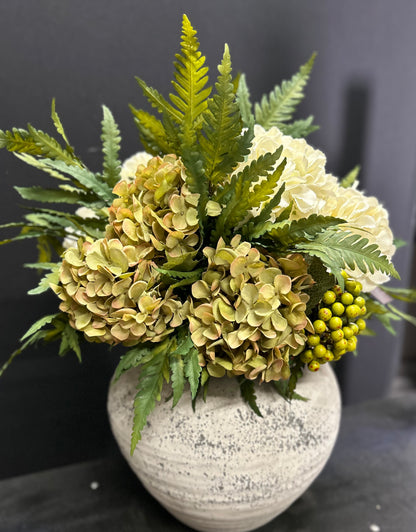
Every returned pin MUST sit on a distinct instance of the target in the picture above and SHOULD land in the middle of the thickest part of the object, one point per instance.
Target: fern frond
(51, 195)
(133, 358)
(244, 103)
(190, 76)
(261, 223)
(41, 164)
(323, 281)
(149, 389)
(51, 148)
(287, 233)
(152, 133)
(282, 101)
(19, 141)
(351, 177)
(340, 249)
(111, 139)
(58, 125)
(299, 129)
(159, 102)
(192, 370)
(222, 123)
(248, 394)
(70, 341)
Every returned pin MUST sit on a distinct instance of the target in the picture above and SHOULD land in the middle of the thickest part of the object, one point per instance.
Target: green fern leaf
(84, 177)
(149, 389)
(70, 342)
(44, 283)
(351, 177)
(20, 141)
(222, 122)
(133, 358)
(248, 394)
(192, 370)
(58, 125)
(282, 101)
(261, 224)
(178, 377)
(39, 324)
(110, 137)
(159, 102)
(152, 133)
(323, 281)
(41, 164)
(190, 76)
(244, 103)
(299, 129)
(287, 233)
(340, 249)
(48, 195)
(51, 147)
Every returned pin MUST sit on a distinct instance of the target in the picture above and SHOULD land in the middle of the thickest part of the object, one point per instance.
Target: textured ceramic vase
(223, 468)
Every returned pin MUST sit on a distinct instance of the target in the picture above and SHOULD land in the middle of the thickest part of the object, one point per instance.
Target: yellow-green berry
(314, 340)
(355, 328)
(358, 288)
(347, 298)
(329, 297)
(324, 314)
(338, 309)
(348, 332)
(352, 344)
(306, 356)
(329, 356)
(350, 286)
(319, 326)
(341, 345)
(361, 324)
(337, 335)
(314, 365)
(352, 311)
(360, 301)
(319, 351)
(337, 289)
(363, 310)
(335, 323)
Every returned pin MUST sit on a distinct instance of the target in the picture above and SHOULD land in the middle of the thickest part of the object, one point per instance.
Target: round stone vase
(222, 467)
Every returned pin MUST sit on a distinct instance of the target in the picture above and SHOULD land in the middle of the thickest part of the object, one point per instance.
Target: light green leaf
(133, 358)
(351, 177)
(192, 370)
(299, 128)
(47, 195)
(45, 282)
(178, 376)
(51, 148)
(38, 325)
(70, 342)
(58, 124)
(159, 102)
(243, 100)
(152, 133)
(281, 103)
(110, 137)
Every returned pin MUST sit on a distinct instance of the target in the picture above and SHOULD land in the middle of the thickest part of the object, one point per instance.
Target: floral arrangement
(225, 249)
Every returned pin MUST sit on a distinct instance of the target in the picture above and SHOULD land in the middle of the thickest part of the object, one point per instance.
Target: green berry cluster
(337, 324)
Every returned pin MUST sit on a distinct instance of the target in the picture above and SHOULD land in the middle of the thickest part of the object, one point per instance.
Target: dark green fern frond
(282, 101)
(152, 133)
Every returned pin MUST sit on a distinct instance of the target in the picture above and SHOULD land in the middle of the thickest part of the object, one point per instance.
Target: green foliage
(299, 128)
(261, 224)
(111, 146)
(239, 196)
(58, 125)
(222, 124)
(149, 388)
(351, 177)
(18, 140)
(323, 281)
(192, 370)
(244, 103)
(286, 233)
(44, 284)
(177, 364)
(69, 341)
(152, 133)
(190, 76)
(133, 358)
(402, 294)
(340, 249)
(283, 388)
(282, 101)
(249, 395)
(53, 195)
(159, 102)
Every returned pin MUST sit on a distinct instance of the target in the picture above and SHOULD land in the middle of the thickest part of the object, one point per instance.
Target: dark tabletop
(369, 484)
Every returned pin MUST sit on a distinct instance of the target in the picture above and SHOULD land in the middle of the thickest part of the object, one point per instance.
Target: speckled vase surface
(223, 468)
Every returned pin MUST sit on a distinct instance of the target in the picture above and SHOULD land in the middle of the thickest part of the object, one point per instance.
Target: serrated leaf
(41, 164)
(152, 133)
(299, 129)
(45, 282)
(149, 388)
(110, 137)
(282, 101)
(323, 281)
(340, 249)
(403, 315)
(20, 141)
(38, 325)
(51, 148)
(192, 370)
(159, 102)
(283, 389)
(30, 341)
(133, 358)
(222, 123)
(288, 233)
(402, 294)
(249, 396)
(43, 265)
(58, 124)
(351, 177)
(190, 76)
(48, 195)
(70, 342)
(178, 376)
(244, 103)
(261, 224)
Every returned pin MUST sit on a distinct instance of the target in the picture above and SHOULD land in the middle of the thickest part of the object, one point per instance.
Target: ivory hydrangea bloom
(129, 166)
(313, 191)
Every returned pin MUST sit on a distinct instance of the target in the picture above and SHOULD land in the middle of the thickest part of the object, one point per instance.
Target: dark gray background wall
(85, 53)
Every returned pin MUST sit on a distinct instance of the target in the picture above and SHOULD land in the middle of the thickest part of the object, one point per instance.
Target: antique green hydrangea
(156, 213)
(113, 296)
(247, 315)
